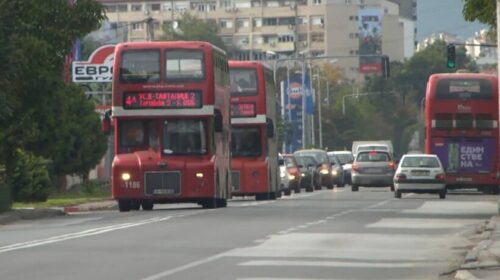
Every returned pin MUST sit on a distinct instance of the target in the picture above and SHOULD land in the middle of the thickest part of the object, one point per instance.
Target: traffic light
(451, 61)
(386, 69)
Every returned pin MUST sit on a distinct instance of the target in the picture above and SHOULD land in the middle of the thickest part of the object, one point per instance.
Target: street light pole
(303, 103)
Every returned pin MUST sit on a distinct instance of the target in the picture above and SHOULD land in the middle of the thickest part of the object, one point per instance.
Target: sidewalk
(31, 214)
(483, 261)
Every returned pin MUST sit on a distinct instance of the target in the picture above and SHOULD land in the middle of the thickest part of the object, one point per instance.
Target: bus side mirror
(218, 127)
(106, 122)
(270, 128)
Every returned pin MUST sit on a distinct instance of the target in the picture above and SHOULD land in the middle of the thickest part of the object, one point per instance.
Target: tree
(35, 38)
(191, 28)
(483, 11)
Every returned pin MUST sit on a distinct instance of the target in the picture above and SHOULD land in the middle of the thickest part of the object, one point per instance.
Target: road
(322, 235)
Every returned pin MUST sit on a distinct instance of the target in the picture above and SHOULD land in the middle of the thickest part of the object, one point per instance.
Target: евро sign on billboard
(99, 67)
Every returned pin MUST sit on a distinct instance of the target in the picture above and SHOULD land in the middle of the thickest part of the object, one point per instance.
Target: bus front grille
(163, 183)
(235, 180)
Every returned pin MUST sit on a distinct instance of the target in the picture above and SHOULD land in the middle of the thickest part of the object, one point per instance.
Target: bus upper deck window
(140, 66)
(184, 65)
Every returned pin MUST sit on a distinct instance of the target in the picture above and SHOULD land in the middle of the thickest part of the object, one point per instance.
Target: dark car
(307, 165)
(337, 170)
(323, 171)
(346, 159)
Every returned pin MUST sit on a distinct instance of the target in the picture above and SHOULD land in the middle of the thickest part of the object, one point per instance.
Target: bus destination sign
(243, 110)
(162, 100)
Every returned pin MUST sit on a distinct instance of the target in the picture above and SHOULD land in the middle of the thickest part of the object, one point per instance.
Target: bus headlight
(324, 171)
(334, 172)
(199, 175)
(125, 176)
(291, 177)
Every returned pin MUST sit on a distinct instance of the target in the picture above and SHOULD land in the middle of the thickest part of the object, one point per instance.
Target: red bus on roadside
(461, 128)
(254, 150)
(171, 120)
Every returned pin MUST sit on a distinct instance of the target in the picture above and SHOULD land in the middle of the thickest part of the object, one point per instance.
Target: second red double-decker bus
(254, 150)
(171, 123)
(461, 127)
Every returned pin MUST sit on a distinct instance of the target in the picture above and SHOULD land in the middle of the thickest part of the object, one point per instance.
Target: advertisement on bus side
(465, 155)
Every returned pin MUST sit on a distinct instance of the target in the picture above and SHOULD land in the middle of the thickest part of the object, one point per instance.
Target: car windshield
(305, 161)
(333, 159)
(345, 158)
(430, 162)
(372, 156)
(289, 162)
(184, 137)
(245, 142)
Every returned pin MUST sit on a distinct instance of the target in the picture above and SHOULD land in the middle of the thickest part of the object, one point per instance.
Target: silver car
(372, 169)
(420, 173)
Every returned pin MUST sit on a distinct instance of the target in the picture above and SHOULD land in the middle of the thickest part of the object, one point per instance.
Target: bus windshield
(140, 66)
(464, 89)
(184, 137)
(243, 82)
(246, 141)
(185, 65)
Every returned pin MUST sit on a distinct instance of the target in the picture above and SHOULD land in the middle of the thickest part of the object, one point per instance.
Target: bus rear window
(140, 66)
(464, 89)
(184, 65)
(243, 82)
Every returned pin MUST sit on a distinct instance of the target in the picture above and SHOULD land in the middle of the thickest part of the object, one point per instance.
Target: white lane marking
(444, 207)
(233, 251)
(252, 203)
(280, 278)
(425, 224)
(89, 232)
(339, 264)
(184, 267)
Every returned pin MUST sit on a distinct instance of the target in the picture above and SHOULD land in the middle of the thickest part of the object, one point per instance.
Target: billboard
(370, 39)
(292, 103)
(465, 155)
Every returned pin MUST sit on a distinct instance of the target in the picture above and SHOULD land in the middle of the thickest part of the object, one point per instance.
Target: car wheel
(147, 205)
(392, 188)
(442, 194)
(287, 192)
(124, 205)
(354, 188)
(397, 194)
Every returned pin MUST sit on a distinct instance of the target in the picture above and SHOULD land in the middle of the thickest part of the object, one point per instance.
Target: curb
(465, 275)
(29, 214)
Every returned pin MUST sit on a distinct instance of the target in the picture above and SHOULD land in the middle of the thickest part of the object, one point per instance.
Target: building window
(136, 7)
(317, 20)
(316, 2)
(354, 35)
(317, 37)
(302, 21)
(302, 37)
(154, 7)
(110, 8)
(257, 22)
(242, 23)
(121, 8)
(270, 21)
(137, 26)
(225, 23)
(225, 3)
(286, 38)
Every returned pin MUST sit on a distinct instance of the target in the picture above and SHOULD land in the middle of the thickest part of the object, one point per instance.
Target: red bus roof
(169, 44)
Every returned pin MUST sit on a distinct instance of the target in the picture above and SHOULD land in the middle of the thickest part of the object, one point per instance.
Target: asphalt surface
(322, 235)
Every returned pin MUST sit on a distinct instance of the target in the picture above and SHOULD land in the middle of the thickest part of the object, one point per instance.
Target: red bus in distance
(461, 128)
(171, 123)
(254, 161)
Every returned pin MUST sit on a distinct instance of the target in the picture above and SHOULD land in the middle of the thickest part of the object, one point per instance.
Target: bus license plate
(163, 191)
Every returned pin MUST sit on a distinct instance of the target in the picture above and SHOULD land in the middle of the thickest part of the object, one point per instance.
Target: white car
(420, 173)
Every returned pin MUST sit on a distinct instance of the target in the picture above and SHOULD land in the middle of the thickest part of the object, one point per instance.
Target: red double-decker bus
(171, 123)
(254, 160)
(461, 128)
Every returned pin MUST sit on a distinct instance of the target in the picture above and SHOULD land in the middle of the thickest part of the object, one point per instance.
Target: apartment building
(258, 28)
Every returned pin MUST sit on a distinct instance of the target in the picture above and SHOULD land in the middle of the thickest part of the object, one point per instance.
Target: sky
(443, 16)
